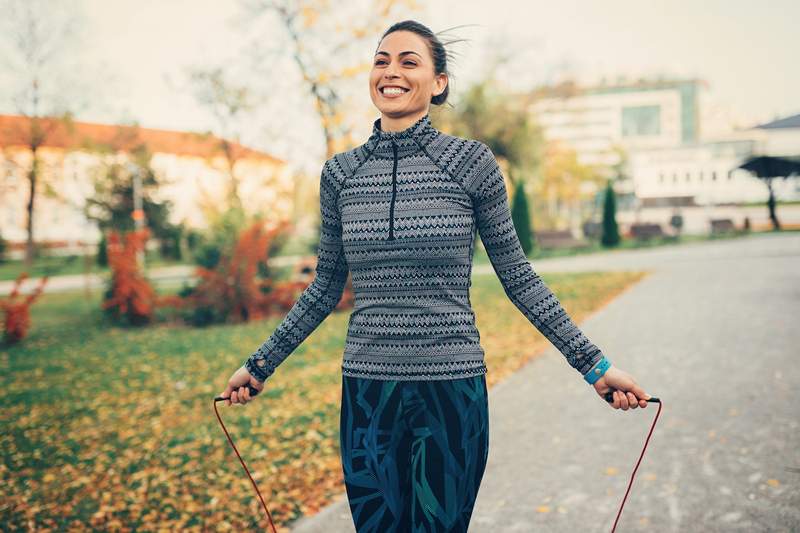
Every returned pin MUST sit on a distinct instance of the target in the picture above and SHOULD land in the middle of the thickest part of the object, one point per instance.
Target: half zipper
(394, 193)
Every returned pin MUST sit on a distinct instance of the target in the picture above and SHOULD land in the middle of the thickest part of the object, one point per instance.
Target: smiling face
(403, 80)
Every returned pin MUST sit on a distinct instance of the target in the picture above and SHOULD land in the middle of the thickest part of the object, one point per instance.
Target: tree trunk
(32, 177)
(776, 225)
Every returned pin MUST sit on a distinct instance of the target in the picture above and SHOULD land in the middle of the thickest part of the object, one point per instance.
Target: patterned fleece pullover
(399, 215)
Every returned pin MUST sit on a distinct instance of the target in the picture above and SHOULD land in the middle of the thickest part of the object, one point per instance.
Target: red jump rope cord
(269, 516)
(637, 462)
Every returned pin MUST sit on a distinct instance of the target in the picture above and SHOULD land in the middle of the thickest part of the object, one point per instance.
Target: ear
(440, 83)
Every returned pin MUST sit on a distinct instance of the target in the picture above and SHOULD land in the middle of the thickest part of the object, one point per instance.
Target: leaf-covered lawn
(114, 429)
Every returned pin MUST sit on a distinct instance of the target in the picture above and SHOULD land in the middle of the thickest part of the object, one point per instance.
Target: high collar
(408, 141)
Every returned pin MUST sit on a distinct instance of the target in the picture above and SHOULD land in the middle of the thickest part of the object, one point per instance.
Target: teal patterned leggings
(413, 452)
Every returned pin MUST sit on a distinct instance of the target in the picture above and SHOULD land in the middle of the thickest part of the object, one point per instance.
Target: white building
(193, 166)
(706, 173)
(596, 120)
(658, 126)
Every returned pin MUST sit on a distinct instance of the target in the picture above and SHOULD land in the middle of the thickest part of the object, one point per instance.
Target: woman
(400, 214)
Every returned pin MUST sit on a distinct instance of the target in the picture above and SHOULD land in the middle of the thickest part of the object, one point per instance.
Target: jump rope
(609, 397)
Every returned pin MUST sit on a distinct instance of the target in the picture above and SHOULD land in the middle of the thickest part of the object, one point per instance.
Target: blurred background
(159, 174)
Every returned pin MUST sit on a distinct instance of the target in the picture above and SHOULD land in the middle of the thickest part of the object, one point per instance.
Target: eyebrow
(400, 54)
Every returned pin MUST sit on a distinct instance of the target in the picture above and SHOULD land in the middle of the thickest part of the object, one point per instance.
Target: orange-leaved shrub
(130, 298)
(16, 314)
(233, 290)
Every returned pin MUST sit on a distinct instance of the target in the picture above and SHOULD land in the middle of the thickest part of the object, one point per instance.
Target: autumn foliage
(232, 290)
(16, 314)
(235, 290)
(130, 298)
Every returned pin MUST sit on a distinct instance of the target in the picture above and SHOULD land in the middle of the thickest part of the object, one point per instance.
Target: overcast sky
(747, 51)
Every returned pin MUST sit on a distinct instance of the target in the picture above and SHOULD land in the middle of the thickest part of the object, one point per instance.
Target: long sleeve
(484, 183)
(321, 296)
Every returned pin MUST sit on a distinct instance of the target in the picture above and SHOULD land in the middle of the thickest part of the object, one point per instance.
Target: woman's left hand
(628, 394)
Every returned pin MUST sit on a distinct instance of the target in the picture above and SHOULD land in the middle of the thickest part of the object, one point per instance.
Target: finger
(623, 401)
(246, 393)
(235, 396)
(241, 396)
(617, 403)
(633, 401)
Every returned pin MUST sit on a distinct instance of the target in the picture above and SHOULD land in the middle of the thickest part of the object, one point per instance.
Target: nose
(389, 72)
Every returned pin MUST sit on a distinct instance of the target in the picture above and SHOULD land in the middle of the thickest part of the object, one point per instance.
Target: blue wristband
(597, 372)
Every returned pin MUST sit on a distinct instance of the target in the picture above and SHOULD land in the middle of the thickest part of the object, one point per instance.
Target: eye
(379, 61)
(409, 63)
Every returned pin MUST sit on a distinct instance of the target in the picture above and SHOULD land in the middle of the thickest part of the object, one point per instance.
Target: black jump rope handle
(253, 392)
(610, 397)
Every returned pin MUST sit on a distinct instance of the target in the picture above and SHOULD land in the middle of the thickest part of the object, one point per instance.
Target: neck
(389, 124)
(401, 142)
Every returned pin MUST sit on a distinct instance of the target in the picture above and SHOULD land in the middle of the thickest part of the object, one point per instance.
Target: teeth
(393, 90)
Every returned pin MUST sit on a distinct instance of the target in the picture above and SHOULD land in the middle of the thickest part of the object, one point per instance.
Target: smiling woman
(400, 214)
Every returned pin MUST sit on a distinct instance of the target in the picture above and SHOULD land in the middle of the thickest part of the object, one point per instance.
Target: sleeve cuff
(259, 366)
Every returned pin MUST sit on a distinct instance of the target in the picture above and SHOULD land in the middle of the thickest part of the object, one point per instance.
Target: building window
(661, 177)
(641, 120)
(714, 175)
(688, 176)
(730, 175)
(674, 177)
(700, 176)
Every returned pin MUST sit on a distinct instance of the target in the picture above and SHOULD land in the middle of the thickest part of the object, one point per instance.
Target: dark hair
(437, 50)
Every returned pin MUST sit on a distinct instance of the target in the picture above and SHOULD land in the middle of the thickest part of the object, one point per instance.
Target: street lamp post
(138, 211)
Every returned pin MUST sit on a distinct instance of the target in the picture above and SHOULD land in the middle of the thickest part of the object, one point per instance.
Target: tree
(503, 123)
(610, 235)
(522, 218)
(112, 203)
(563, 185)
(229, 103)
(325, 41)
(37, 37)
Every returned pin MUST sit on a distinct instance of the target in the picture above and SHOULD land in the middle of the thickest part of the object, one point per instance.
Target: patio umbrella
(768, 167)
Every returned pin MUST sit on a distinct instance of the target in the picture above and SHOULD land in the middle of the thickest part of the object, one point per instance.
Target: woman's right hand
(237, 390)
(627, 393)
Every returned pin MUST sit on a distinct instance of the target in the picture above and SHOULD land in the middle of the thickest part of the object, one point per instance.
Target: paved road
(713, 332)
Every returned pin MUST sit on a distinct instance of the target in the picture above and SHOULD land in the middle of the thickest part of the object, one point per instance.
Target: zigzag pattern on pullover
(400, 214)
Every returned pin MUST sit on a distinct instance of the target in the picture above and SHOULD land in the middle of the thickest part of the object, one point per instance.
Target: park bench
(558, 239)
(722, 225)
(646, 230)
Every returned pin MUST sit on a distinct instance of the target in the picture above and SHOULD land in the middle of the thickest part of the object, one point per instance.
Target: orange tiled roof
(15, 131)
